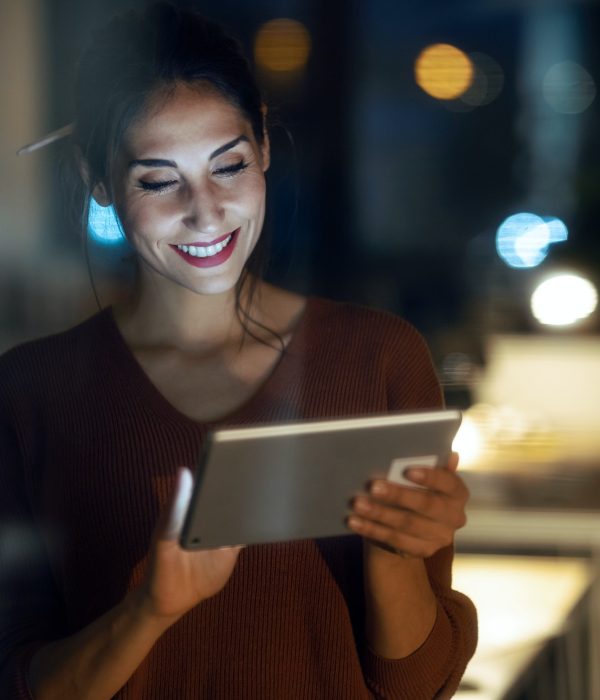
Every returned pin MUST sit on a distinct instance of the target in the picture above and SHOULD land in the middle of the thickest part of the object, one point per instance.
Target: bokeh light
(487, 83)
(468, 442)
(558, 229)
(568, 88)
(563, 300)
(103, 224)
(443, 71)
(282, 45)
(523, 239)
(457, 368)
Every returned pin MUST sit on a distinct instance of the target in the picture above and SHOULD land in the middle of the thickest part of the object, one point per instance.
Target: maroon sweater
(88, 454)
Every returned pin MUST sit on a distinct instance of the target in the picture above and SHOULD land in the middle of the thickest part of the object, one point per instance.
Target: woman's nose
(204, 211)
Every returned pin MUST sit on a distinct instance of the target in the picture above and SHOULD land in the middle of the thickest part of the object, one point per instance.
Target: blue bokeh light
(522, 240)
(558, 230)
(103, 224)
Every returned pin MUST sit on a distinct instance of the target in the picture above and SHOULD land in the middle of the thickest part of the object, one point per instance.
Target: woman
(170, 128)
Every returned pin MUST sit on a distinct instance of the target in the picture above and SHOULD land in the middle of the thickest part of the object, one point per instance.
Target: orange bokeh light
(443, 71)
(282, 45)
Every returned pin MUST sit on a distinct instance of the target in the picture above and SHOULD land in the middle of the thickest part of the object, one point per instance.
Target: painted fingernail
(353, 521)
(415, 474)
(362, 505)
(379, 488)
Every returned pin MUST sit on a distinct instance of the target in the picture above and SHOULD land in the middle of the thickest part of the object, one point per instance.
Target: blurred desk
(528, 528)
(533, 471)
(522, 602)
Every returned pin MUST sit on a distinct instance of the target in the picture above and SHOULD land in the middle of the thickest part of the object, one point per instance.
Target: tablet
(291, 481)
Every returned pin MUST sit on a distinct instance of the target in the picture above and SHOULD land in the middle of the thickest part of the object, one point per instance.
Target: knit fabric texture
(89, 450)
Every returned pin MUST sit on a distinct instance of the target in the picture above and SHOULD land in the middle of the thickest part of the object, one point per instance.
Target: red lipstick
(212, 260)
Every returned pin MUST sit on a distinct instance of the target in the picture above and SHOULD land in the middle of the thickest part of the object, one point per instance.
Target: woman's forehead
(186, 115)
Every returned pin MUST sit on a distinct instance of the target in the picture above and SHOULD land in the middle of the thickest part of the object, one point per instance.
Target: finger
(407, 521)
(433, 504)
(398, 541)
(436, 482)
(441, 480)
(178, 505)
(453, 462)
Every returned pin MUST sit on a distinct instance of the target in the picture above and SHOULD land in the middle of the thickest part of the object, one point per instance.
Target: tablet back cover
(286, 482)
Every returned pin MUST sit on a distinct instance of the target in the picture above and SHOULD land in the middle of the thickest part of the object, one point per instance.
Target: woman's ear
(266, 145)
(100, 194)
(99, 191)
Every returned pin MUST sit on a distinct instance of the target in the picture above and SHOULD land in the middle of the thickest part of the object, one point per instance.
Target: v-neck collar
(254, 409)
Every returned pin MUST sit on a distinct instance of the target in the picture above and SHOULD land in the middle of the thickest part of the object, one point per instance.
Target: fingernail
(362, 505)
(415, 474)
(379, 488)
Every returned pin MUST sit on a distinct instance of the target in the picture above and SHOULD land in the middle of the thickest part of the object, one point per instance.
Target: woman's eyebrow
(161, 163)
(152, 163)
(227, 146)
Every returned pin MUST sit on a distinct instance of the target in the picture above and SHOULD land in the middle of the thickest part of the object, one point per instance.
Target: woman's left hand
(413, 521)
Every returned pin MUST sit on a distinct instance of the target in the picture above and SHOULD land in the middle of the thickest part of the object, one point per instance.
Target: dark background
(387, 196)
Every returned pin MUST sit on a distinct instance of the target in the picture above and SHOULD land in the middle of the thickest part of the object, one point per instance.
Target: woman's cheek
(252, 197)
(150, 219)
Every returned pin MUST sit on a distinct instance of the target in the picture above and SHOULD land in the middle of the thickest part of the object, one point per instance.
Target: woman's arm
(401, 607)
(411, 524)
(420, 632)
(97, 661)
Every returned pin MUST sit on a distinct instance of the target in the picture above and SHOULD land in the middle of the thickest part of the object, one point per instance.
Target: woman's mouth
(203, 255)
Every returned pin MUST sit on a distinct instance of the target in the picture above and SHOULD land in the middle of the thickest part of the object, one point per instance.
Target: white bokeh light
(568, 88)
(563, 300)
(468, 442)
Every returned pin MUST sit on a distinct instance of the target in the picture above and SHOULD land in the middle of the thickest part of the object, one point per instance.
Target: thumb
(453, 462)
(174, 514)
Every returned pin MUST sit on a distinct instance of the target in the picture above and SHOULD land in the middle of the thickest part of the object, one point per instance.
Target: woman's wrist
(385, 557)
(400, 604)
(142, 611)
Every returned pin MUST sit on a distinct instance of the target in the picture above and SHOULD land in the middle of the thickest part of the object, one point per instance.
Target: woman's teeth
(199, 251)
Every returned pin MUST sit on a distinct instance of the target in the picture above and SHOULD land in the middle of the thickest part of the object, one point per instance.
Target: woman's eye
(154, 186)
(229, 170)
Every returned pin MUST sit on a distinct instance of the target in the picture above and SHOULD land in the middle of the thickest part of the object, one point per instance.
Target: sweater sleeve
(434, 670)
(29, 604)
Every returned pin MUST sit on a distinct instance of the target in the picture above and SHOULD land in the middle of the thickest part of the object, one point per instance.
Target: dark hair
(137, 54)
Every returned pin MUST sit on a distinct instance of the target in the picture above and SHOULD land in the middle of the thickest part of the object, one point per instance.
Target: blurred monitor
(554, 378)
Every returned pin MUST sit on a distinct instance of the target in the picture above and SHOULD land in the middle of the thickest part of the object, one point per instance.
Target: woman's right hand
(178, 579)
(101, 657)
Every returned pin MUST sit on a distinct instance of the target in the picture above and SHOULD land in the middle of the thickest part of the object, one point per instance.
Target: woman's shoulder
(378, 345)
(351, 318)
(358, 329)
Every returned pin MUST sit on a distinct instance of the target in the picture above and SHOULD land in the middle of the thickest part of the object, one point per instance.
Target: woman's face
(189, 189)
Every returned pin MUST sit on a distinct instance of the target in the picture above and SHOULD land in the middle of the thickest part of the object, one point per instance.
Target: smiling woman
(95, 423)
(189, 188)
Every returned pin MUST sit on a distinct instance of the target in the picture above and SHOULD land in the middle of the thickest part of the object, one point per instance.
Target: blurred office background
(437, 159)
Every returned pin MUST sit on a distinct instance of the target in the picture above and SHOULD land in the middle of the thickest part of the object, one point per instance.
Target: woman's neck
(173, 316)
